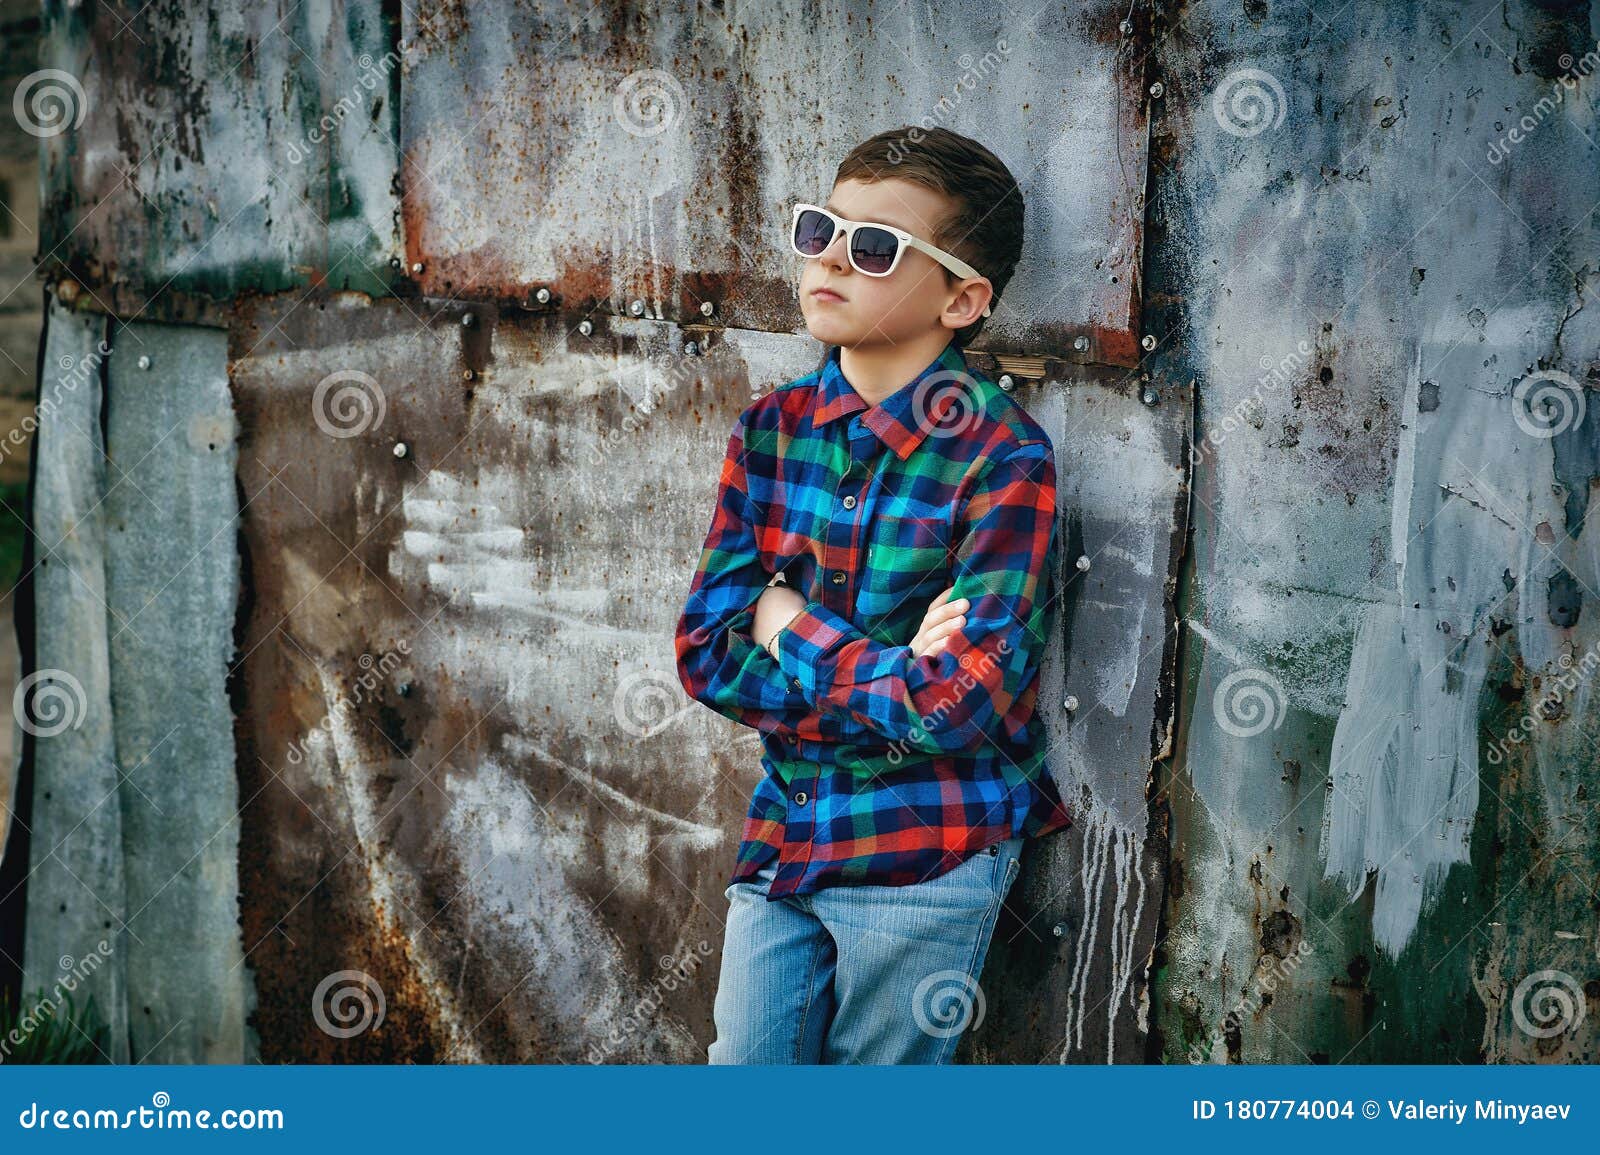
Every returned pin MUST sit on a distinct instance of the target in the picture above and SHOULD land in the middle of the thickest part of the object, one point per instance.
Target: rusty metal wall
(476, 814)
(1379, 222)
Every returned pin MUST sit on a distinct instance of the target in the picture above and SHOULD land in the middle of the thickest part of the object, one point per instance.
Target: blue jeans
(858, 974)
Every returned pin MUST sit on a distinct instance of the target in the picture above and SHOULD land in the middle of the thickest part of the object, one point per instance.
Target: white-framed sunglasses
(873, 249)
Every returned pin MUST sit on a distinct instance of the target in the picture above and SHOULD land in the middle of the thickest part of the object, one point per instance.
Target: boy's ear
(978, 292)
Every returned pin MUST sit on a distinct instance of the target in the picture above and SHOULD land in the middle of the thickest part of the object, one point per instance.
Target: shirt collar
(902, 419)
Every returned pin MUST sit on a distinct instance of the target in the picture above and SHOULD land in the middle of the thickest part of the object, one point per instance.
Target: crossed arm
(947, 690)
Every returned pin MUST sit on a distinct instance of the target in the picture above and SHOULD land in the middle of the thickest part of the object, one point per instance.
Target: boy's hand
(774, 608)
(942, 619)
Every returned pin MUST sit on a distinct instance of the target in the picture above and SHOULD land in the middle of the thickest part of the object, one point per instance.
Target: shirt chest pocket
(908, 564)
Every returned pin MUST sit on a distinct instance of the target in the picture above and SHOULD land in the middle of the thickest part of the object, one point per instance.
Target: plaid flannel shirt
(879, 766)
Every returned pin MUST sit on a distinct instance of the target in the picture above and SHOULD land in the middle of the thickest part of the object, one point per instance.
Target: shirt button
(838, 577)
(850, 501)
(800, 798)
(796, 682)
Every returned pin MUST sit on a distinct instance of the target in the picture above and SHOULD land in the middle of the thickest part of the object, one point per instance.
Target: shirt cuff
(813, 634)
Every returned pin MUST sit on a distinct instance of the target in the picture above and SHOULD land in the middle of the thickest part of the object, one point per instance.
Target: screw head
(1081, 344)
(707, 308)
(1150, 397)
(416, 269)
(1007, 383)
(396, 264)
(1059, 930)
(1070, 704)
(468, 320)
(636, 308)
(1083, 563)
(1157, 90)
(1147, 342)
(542, 296)
(468, 375)
(585, 328)
(1125, 27)
(400, 449)
(144, 362)
(690, 349)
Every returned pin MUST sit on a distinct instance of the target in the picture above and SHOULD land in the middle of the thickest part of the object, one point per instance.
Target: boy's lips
(825, 294)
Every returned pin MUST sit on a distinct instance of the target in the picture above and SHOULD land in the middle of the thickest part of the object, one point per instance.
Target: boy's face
(915, 300)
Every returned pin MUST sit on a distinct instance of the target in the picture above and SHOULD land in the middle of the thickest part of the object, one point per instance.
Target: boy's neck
(878, 371)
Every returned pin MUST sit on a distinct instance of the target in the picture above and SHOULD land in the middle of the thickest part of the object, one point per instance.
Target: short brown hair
(985, 226)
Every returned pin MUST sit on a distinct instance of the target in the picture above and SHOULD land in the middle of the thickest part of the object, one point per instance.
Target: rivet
(1070, 704)
(400, 449)
(1006, 382)
(690, 349)
(1150, 396)
(1083, 564)
(468, 375)
(1157, 90)
(1126, 27)
(1081, 344)
(1059, 930)
(416, 269)
(542, 296)
(468, 320)
(396, 264)
(1147, 342)
(707, 308)
(585, 328)
(144, 362)
(636, 308)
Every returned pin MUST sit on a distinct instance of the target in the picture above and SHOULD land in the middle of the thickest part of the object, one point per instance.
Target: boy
(873, 596)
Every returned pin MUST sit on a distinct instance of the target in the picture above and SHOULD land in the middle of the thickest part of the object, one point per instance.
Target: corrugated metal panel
(613, 155)
(75, 888)
(223, 149)
(1392, 560)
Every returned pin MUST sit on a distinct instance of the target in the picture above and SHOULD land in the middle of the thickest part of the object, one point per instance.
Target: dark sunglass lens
(812, 232)
(873, 250)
